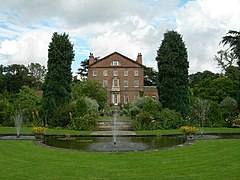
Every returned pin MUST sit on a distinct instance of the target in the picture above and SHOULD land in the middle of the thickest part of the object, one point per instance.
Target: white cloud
(106, 26)
(31, 46)
(203, 23)
(129, 36)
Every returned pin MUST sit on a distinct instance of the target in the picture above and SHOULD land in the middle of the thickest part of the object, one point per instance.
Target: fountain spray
(18, 117)
(115, 126)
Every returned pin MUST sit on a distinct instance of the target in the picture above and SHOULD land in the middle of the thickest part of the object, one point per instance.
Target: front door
(115, 99)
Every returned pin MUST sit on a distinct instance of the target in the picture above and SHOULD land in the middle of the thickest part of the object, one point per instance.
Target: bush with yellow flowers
(189, 130)
(39, 130)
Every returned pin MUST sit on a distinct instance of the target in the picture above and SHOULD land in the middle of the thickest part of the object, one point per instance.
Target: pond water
(106, 144)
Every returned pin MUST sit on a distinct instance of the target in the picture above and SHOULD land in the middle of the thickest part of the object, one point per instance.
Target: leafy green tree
(6, 110)
(233, 73)
(16, 76)
(83, 70)
(173, 67)
(150, 76)
(57, 84)
(37, 71)
(217, 89)
(214, 115)
(229, 107)
(225, 59)
(92, 89)
(233, 40)
(2, 86)
(199, 111)
(201, 77)
(29, 103)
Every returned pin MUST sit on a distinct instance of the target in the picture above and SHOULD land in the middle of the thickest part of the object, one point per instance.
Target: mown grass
(209, 159)
(27, 130)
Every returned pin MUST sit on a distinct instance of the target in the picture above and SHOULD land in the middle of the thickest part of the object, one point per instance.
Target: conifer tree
(57, 84)
(173, 67)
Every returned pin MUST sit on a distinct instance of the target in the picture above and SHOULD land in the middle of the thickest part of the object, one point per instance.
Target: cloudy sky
(105, 26)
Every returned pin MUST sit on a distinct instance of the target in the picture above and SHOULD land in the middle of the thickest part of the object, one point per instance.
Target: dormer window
(115, 63)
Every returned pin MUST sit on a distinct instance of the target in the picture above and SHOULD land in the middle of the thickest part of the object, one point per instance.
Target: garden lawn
(177, 131)
(27, 130)
(209, 159)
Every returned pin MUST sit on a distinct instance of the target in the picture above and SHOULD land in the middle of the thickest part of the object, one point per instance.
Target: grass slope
(209, 159)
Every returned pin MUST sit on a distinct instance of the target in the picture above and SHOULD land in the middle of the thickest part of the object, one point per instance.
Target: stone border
(14, 137)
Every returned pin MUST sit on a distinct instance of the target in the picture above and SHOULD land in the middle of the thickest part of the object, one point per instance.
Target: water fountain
(114, 128)
(117, 140)
(18, 117)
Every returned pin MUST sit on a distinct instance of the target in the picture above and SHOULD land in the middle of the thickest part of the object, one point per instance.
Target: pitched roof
(102, 59)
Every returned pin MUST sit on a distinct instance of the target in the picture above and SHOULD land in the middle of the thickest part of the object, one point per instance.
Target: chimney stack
(139, 58)
(91, 59)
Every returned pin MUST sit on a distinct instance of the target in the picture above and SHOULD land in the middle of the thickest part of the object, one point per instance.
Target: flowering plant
(38, 130)
(189, 130)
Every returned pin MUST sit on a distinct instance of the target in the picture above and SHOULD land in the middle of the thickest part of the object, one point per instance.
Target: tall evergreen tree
(173, 67)
(57, 84)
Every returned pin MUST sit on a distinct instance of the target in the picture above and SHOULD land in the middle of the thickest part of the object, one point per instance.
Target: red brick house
(122, 76)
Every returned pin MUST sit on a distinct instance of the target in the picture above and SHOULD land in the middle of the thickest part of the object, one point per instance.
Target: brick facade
(122, 76)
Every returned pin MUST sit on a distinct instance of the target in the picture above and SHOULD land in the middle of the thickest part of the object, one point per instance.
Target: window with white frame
(115, 63)
(115, 72)
(115, 82)
(94, 72)
(126, 98)
(125, 72)
(105, 83)
(136, 73)
(105, 72)
(136, 83)
(125, 83)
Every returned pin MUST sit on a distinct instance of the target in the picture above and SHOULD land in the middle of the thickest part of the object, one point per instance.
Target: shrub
(147, 104)
(6, 110)
(62, 116)
(168, 119)
(81, 107)
(134, 111)
(92, 105)
(85, 123)
(125, 111)
(85, 105)
(143, 121)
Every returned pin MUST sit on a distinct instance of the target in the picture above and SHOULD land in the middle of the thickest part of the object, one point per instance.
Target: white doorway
(115, 99)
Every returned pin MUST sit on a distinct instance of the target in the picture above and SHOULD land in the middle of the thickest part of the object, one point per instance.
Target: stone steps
(106, 125)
